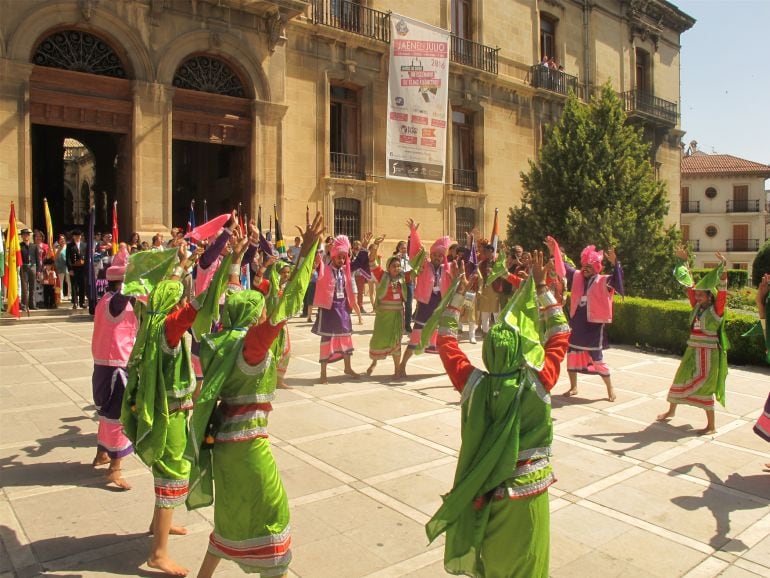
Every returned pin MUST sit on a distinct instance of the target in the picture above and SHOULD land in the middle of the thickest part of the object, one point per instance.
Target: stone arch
(208, 72)
(52, 16)
(221, 45)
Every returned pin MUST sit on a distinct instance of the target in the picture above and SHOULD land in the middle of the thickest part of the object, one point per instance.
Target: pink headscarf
(441, 245)
(341, 244)
(117, 271)
(590, 256)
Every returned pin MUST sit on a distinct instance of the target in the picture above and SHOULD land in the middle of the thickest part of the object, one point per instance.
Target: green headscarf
(682, 273)
(208, 300)
(490, 424)
(382, 286)
(144, 413)
(710, 280)
(757, 329)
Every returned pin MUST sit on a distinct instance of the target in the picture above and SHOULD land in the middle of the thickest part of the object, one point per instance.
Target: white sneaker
(472, 338)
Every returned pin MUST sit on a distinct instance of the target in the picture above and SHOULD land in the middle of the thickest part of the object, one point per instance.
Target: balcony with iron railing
(552, 79)
(637, 101)
(691, 206)
(346, 166)
(694, 244)
(743, 206)
(465, 180)
(352, 17)
(742, 244)
(470, 53)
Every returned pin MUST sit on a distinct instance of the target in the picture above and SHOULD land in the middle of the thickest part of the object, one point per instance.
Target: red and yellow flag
(495, 237)
(115, 241)
(12, 261)
(48, 228)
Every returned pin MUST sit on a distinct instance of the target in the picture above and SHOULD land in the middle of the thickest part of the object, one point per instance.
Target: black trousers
(79, 286)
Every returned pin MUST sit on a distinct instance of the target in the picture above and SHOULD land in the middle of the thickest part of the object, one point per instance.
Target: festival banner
(417, 101)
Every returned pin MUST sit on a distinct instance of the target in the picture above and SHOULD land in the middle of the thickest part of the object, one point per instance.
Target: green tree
(593, 183)
(761, 264)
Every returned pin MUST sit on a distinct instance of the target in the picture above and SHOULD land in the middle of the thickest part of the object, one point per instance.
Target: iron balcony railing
(465, 180)
(470, 53)
(552, 79)
(346, 166)
(691, 206)
(352, 17)
(743, 206)
(694, 244)
(742, 244)
(638, 101)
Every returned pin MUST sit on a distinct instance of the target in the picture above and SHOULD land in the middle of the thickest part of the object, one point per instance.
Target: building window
(209, 74)
(347, 217)
(461, 19)
(642, 75)
(740, 266)
(711, 192)
(711, 231)
(465, 222)
(547, 37)
(345, 132)
(685, 232)
(463, 161)
(79, 51)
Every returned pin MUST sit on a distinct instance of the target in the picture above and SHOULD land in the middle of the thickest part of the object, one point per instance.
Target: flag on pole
(495, 232)
(205, 211)
(191, 222)
(48, 228)
(241, 224)
(115, 232)
(269, 234)
(307, 215)
(90, 260)
(279, 244)
(264, 246)
(472, 260)
(12, 262)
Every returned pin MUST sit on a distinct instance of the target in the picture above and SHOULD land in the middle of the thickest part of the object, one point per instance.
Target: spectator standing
(60, 257)
(29, 259)
(76, 264)
(295, 250)
(49, 283)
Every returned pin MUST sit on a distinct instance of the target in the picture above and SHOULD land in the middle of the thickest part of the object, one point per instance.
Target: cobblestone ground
(365, 462)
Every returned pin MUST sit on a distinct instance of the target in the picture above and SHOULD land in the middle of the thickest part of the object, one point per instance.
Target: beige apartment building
(724, 207)
(283, 103)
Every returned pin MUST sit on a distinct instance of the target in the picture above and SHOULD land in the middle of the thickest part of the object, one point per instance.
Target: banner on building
(417, 101)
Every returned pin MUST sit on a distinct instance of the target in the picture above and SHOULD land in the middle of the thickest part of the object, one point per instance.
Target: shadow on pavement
(654, 432)
(71, 437)
(720, 503)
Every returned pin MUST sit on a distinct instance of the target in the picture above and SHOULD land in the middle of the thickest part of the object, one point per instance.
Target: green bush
(664, 325)
(736, 278)
(761, 264)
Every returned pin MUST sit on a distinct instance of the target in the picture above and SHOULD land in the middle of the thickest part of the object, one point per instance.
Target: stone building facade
(724, 207)
(283, 103)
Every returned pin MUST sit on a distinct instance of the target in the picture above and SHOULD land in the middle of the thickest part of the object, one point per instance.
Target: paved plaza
(365, 463)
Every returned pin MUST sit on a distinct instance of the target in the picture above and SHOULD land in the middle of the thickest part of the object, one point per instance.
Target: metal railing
(346, 166)
(552, 79)
(742, 244)
(470, 53)
(694, 244)
(638, 101)
(465, 180)
(691, 206)
(352, 17)
(743, 206)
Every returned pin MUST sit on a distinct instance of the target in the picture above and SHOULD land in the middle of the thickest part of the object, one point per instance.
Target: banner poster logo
(417, 101)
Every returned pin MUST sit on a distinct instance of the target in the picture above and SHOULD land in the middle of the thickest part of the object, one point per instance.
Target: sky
(725, 77)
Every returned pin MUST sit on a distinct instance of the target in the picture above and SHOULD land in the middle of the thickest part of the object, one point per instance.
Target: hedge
(652, 323)
(736, 278)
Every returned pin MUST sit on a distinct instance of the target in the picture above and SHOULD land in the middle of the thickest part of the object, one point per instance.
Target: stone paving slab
(365, 463)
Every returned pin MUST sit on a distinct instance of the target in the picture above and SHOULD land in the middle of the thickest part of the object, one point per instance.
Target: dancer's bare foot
(351, 373)
(571, 392)
(370, 369)
(114, 477)
(665, 416)
(174, 530)
(101, 459)
(282, 385)
(167, 566)
(707, 431)
(611, 395)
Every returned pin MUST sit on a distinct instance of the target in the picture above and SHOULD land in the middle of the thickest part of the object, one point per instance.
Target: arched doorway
(80, 114)
(212, 124)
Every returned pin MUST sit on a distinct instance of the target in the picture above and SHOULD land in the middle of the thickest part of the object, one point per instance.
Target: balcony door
(461, 19)
(642, 75)
(463, 161)
(740, 237)
(345, 132)
(741, 199)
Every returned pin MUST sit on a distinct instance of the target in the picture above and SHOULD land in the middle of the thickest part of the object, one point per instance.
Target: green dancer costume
(228, 444)
(496, 516)
(703, 370)
(389, 309)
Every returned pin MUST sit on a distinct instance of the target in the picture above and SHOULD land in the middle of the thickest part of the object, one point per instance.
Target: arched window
(347, 217)
(209, 74)
(80, 52)
(547, 36)
(465, 222)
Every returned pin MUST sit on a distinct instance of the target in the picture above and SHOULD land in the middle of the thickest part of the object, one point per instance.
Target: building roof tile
(701, 163)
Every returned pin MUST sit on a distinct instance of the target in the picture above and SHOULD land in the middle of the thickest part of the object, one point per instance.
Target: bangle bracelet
(542, 285)
(235, 269)
(178, 271)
